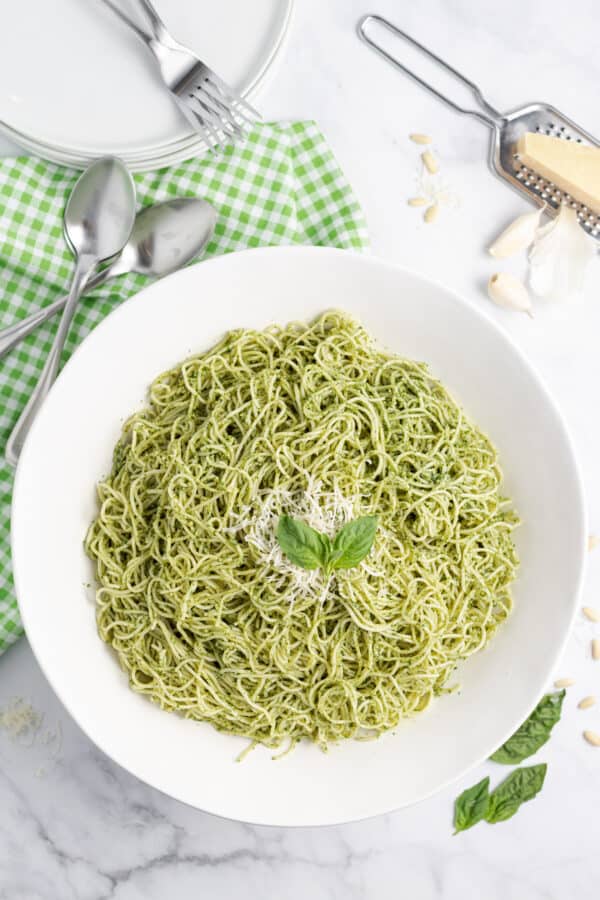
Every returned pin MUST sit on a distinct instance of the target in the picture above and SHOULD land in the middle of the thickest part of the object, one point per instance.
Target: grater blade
(506, 128)
(543, 119)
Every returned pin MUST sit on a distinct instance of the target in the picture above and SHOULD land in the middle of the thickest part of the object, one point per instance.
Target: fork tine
(228, 123)
(216, 108)
(215, 146)
(226, 119)
(228, 109)
(233, 97)
(232, 100)
(231, 104)
(207, 121)
(207, 88)
(208, 116)
(197, 120)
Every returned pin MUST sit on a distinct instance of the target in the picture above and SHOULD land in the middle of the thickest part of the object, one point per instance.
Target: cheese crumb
(20, 720)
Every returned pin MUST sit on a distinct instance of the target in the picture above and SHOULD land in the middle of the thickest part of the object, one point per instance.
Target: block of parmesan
(573, 167)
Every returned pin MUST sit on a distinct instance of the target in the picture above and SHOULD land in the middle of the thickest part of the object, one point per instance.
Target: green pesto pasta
(207, 616)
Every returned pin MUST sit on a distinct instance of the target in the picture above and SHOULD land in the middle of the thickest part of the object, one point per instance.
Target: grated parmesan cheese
(20, 720)
(326, 511)
(22, 723)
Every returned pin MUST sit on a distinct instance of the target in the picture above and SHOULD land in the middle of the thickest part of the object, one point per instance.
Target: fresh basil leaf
(471, 806)
(533, 733)
(353, 542)
(302, 545)
(520, 786)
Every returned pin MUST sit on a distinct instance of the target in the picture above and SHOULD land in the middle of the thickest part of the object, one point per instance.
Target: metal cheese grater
(506, 129)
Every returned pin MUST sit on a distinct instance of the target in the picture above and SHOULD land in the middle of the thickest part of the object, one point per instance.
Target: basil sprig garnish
(533, 733)
(308, 548)
(303, 545)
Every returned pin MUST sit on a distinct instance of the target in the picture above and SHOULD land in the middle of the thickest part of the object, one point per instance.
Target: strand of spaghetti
(207, 616)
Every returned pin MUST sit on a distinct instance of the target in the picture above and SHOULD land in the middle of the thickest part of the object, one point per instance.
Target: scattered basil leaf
(533, 733)
(302, 545)
(471, 806)
(353, 542)
(520, 786)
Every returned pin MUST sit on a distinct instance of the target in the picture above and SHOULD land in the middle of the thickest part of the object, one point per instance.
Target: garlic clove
(506, 290)
(560, 256)
(519, 235)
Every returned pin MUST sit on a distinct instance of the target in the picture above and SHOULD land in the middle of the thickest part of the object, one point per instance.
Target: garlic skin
(560, 256)
(507, 291)
(519, 235)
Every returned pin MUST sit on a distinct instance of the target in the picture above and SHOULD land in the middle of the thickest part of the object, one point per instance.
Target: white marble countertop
(83, 829)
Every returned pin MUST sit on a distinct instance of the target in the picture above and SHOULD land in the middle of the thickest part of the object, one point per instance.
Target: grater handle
(486, 113)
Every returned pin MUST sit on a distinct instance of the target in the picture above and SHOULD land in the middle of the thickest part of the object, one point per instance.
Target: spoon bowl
(98, 220)
(164, 238)
(100, 212)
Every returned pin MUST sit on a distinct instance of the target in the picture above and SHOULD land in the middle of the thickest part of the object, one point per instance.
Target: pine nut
(430, 162)
(586, 703)
(431, 213)
(592, 614)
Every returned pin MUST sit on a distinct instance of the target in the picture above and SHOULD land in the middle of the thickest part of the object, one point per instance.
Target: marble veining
(84, 829)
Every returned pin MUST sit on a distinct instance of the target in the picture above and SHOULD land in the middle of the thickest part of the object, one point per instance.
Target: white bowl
(69, 449)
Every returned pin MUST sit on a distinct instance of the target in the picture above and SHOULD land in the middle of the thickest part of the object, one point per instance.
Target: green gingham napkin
(283, 186)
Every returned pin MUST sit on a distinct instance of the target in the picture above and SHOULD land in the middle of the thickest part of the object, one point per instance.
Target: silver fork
(213, 109)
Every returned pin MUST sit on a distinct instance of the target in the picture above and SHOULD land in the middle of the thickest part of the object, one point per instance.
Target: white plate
(69, 449)
(87, 85)
(177, 153)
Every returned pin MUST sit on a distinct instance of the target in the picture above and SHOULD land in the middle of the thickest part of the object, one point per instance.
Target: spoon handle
(16, 440)
(10, 337)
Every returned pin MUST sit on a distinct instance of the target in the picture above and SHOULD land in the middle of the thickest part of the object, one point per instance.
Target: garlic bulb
(506, 290)
(560, 256)
(519, 235)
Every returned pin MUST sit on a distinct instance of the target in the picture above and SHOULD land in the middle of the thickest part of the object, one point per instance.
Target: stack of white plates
(75, 83)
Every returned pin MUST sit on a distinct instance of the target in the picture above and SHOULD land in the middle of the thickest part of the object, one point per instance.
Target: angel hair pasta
(206, 614)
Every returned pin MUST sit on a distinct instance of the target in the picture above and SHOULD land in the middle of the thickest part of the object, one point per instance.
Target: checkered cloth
(283, 186)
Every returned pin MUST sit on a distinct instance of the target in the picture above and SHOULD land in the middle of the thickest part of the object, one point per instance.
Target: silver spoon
(165, 237)
(98, 221)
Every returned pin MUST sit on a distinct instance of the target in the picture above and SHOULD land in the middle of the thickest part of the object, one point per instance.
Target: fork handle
(143, 35)
(158, 34)
(159, 29)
